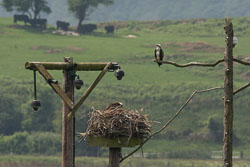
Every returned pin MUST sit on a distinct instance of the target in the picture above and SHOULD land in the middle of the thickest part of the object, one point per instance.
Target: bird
(159, 54)
(114, 105)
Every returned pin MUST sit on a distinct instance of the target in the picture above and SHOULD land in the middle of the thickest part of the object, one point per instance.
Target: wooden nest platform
(116, 127)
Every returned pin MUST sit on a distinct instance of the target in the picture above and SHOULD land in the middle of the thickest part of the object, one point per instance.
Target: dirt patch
(47, 49)
(75, 49)
(129, 36)
(57, 50)
(196, 47)
(246, 75)
(2, 32)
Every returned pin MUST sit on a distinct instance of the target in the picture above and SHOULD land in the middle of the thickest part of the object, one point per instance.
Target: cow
(38, 22)
(110, 29)
(21, 17)
(86, 28)
(62, 25)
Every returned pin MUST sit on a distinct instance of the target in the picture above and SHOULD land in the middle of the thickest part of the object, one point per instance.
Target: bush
(24, 143)
(190, 154)
(16, 143)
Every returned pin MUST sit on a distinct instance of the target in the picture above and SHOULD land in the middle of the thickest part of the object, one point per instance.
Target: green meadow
(159, 91)
(55, 161)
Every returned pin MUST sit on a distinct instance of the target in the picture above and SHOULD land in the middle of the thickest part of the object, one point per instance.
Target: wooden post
(67, 125)
(228, 98)
(114, 156)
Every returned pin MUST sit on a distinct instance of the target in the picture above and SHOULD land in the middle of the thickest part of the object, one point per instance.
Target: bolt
(227, 101)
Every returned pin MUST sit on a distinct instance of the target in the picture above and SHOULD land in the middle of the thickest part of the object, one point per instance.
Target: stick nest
(116, 122)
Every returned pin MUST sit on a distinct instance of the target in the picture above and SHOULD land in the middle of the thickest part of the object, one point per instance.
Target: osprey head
(159, 45)
(115, 105)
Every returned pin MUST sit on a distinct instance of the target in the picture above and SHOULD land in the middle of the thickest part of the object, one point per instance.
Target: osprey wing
(161, 54)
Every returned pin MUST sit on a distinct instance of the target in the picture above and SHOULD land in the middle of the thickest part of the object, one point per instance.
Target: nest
(115, 122)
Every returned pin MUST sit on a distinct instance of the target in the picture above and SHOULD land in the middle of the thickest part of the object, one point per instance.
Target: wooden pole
(228, 99)
(67, 125)
(114, 156)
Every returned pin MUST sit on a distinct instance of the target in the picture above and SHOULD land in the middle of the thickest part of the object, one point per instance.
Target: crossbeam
(86, 66)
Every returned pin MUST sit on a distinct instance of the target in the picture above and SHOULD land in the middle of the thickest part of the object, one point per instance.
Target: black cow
(38, 22)
(110, 29)
(21, 17)
(87, 28)
(62, 25)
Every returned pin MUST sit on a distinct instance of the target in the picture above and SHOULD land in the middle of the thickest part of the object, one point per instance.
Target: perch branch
(241, 88)
(241, 62)
(191, 63)
(170, 120)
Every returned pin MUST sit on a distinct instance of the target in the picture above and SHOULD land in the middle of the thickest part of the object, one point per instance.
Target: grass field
(55, 161)
(160, 90)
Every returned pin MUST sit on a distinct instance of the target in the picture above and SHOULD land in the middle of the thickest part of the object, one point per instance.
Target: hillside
(152, 10)
(160, 91)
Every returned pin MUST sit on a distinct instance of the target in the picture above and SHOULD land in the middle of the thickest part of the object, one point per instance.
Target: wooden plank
(113, 142)
(55, 86)
(89, 90)
(87, 66)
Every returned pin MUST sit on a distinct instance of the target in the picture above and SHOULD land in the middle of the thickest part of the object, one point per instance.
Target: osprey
(114, 105)
(159, 54)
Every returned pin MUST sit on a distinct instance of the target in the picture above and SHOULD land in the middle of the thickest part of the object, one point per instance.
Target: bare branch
(241, 88)
(241, 62)
(171, 119)
(191, 63)
(201, 64)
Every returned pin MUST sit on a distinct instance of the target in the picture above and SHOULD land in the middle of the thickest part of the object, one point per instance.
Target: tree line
(33, 8)
(25, 131)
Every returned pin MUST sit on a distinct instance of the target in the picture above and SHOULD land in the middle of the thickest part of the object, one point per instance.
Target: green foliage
(8, 5)
(27, 6)
(10, 116)
(82, 8)
(23, 143)
(41, 120)
(216, 128)
(15, 111)
(14, 144)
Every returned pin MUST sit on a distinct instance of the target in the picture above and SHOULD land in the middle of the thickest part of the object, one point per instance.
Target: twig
(241, 88)
(173, 117)
(191, 63)
(241, 62)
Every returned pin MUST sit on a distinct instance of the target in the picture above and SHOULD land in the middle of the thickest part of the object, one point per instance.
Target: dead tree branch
(191, 63)
(241, 88)
(170, 120)
(241, 62)
(201, 64)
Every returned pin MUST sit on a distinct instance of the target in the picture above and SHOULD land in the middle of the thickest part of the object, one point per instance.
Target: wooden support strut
(89, 90)
(55, 86)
